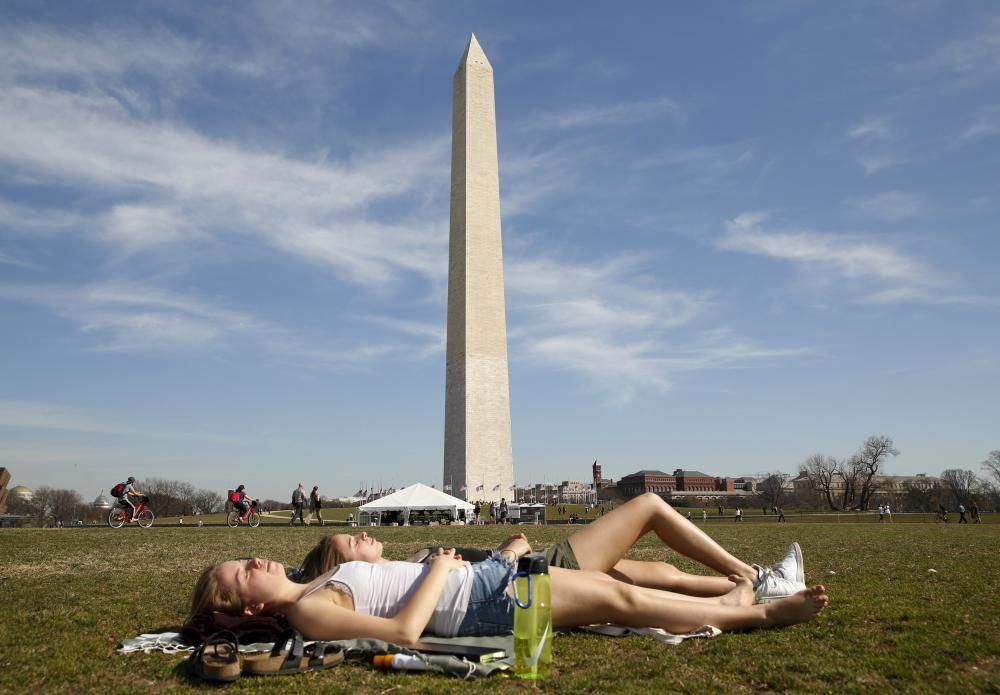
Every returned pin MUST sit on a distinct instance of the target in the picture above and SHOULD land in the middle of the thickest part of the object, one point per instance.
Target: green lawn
(71, 595)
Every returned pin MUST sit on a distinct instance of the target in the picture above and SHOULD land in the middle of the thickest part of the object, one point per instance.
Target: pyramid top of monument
(474, 54)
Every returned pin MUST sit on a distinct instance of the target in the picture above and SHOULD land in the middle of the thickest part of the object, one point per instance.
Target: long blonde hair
(320, 560)
(209, 595)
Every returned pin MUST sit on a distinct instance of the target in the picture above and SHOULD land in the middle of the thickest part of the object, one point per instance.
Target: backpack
(118, 490)
(234, 496)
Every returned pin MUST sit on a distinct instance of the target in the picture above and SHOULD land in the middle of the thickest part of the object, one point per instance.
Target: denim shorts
(490, 610)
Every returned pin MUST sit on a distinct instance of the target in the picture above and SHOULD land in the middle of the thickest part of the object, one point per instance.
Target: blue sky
(735, 235)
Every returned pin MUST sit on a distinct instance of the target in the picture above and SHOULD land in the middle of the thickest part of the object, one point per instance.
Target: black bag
(118, 490)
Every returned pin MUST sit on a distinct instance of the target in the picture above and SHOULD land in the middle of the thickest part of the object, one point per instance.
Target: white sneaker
(770, 585)
(792, 565)
(781, 579)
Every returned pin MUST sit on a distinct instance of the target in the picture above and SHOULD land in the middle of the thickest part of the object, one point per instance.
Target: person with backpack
(316, 503)
(238, 497)
(298, 502)
(123, 491)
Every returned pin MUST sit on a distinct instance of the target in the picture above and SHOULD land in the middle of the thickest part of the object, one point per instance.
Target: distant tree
(921, 499)
(770, 491)
(207, 502)
(867, 463)
(179, 498)
(992, 466)
(849, 472)
(822, 472)
(963, 485)
(51, 506)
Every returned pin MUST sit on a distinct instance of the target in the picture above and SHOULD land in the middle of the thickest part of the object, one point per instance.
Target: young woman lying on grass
(601, 546)
(399, 601)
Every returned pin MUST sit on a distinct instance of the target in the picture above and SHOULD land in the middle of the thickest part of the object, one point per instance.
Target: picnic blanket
(357, 649)
(366, 649)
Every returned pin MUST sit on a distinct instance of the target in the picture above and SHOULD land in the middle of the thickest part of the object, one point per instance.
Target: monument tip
(474, 53)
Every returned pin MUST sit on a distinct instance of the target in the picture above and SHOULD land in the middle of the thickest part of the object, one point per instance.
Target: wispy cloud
(7, 259)
(58, 417)
(133, 318)
(873, 140)
(890, 206)
(987, 124)
(704, 164)
(975, 55)
(873, 163)
(610, 323)
(602, 115)
(874, 270)
(182, 186)
(872, 129)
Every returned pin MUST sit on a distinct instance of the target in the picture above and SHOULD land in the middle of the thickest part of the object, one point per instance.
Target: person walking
(739, 514)
(974, 512)
(961, 514)
(704, 514)
(298, 502)
(888, 513)
(781, 514)
(317, 504)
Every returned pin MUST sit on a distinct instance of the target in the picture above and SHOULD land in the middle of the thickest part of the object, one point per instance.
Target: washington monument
(477, 453)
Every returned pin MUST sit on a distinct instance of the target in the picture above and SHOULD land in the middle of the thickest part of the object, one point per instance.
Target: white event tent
(416, 497)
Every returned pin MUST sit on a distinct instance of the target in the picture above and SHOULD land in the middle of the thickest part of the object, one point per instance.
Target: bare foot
(741, 594)
(797, 608)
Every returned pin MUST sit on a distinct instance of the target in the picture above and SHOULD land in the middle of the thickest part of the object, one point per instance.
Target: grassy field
(71, 595)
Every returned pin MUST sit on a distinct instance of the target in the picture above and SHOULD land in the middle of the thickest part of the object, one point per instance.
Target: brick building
(641, 482)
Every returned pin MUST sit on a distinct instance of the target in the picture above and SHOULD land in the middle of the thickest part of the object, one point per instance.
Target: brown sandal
(297, 658)
(217, 658)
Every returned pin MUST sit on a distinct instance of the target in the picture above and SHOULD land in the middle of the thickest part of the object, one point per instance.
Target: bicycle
(251, 519)
(144, 516)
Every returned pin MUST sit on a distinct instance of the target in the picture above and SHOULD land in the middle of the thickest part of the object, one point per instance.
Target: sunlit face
(253, 581)
(357, 547)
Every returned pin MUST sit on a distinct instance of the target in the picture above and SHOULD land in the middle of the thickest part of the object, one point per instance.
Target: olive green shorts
(561, 555)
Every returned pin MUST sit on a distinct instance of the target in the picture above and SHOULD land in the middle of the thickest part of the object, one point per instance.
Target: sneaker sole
(800, 568)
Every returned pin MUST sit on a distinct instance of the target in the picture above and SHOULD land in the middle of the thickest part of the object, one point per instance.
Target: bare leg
(580, 599)
(602, 544)
(662, 575)
(738, 590)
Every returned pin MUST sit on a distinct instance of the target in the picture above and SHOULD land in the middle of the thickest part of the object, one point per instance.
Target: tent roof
(416, 496)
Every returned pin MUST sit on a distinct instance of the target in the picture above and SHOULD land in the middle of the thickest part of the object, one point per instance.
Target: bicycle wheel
(116, 518)
(145, 518)
(233, 519)
(253, 518)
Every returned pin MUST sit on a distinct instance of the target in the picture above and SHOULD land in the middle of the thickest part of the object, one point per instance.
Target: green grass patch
(71, 595)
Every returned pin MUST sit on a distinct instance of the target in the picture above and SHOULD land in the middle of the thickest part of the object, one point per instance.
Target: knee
(626, 598)
(652, 501)
(670, 570)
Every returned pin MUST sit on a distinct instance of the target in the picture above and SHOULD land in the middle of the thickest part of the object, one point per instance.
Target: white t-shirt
(382, 589)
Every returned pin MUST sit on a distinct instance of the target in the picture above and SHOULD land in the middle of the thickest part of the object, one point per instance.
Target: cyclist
(130, 491)
(239, 500)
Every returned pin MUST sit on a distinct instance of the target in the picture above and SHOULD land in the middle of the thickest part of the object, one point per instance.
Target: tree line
(851, 483)
(51, 506)
(857, 481)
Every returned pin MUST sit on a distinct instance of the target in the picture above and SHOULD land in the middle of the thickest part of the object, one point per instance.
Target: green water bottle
(532, 618)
